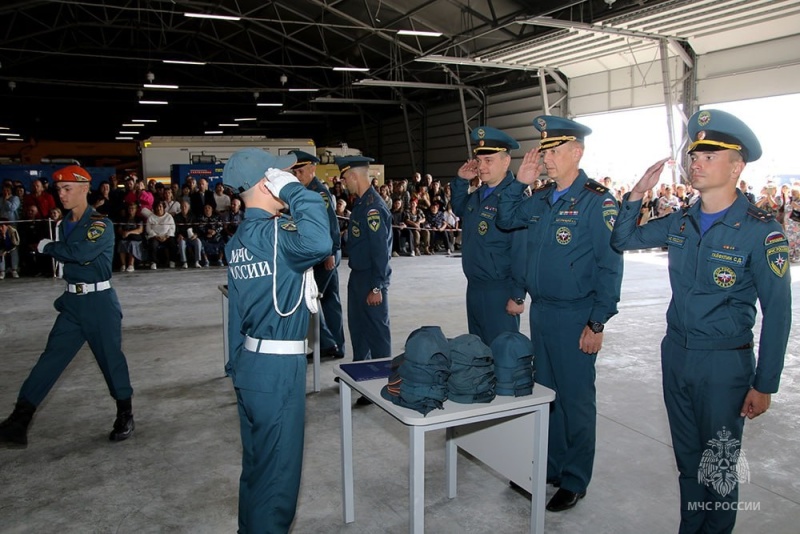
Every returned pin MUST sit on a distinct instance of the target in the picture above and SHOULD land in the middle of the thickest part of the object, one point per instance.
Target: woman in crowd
(767, 202)
(131, 236)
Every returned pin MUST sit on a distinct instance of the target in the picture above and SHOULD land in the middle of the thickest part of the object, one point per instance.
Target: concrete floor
(179, 472)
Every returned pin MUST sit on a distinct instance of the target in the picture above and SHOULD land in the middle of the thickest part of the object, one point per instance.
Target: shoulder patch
(758, 213)
(96, 229)
(777, 251)
(374, 219)
(289, 226)
(774, 238)
(596, 187)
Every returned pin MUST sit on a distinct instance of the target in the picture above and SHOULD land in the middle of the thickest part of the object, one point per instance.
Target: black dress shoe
(363, 401)
(123, 427)
(564, 500)
(333, 352)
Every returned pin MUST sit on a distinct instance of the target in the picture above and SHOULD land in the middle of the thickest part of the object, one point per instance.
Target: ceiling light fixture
(410, 85)
(4, 128)
(334, 100)
(181, 62)
(159, 86)
(228, 124)
(213, 17)
(15, 139)
(6, 134)
(154, 102)
(123, 138)
(420, 34)
(351, 69)
(315, 112)
(298, 90)
(132, 125)
(145, 120)
(123, 132)
(246, 119)
(213, 132)
(269, 104)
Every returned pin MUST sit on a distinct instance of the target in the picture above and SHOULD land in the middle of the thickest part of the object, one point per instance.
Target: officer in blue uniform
(495, 294)
(724, 254)
(369, 246)
(89, 311)
(267, 286)
(573, 276)
(326, 273)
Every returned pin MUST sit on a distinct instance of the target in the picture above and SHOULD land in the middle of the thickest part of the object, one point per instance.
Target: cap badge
(704, 118)
(542, 123)
(481, 133)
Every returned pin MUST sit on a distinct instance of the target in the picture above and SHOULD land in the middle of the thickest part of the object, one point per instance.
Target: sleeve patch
(610, 216)
(96, 229)
(374, 220)
(778, 259)
(774, 238)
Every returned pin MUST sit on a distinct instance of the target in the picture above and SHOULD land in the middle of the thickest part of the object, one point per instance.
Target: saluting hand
(648, 181)
(531, 167)
(469, 170)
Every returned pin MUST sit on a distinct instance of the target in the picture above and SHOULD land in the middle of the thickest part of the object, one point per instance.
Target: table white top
(452, 411)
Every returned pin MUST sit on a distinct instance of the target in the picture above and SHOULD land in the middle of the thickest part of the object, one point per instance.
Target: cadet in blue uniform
(573, 276)
(495, 296)
(369, 246)
(724, 253)
(89, 311)
(326, 273)
(268, 321)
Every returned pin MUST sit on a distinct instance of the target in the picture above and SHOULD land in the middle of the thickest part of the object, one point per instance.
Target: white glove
(311, 292)
(43, 243)
(277, 178)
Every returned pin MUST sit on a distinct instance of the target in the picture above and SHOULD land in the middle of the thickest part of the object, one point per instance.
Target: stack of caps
(513, 364)
(419, 376)
(471, 371)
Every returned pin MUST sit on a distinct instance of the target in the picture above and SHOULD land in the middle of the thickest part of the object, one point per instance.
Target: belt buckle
(79, 289)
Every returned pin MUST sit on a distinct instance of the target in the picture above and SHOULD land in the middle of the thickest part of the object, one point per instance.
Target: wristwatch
(376, 290)
(519, 300)
(595, 326)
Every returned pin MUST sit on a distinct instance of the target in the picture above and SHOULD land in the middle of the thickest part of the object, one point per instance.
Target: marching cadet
(495, 296)
(89, 311)
(267, 259)
(369, 246)
(724, 254)
(573, 276)
(326, 274)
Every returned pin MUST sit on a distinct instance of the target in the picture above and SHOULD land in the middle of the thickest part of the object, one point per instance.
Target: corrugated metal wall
(439, 145)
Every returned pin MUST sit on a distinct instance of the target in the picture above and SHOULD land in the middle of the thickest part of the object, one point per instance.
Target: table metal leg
(416, 480)
(346, 424)
(541, 427)
(450, 461)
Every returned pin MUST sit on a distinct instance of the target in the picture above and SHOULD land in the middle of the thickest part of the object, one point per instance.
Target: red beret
(72, 173)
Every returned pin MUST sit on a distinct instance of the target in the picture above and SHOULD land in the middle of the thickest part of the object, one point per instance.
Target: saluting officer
(89, 311)
(267, 259)
(724, 253)
(495, 295)
(573, 276)
(326, 273)
(369, 247)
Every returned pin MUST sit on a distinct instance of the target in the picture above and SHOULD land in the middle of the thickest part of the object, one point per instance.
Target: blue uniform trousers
(94, 318)
(331, 327)
(486, 309)
(704, 391)
(272, 422)
(370, 335)
(561, 365)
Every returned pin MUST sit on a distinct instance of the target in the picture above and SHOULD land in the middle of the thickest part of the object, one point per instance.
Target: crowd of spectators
(155, 224)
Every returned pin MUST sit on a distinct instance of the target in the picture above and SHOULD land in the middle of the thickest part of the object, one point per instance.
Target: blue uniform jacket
(303, 241)
(569, 257)
(369, 238)
(716, 279)
(487, 251)
(87, 253)
(330, 206)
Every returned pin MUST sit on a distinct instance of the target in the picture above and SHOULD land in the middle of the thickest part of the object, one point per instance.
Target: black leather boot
(14, 430)
(123, 424)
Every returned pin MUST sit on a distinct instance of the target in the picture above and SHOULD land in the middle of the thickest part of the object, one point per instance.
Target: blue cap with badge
(303, 159)
(247, 166)
(345, 163)
(490, 140)
(556, 131)
(711, 130)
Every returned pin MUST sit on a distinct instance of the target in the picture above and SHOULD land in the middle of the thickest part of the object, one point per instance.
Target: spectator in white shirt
(223, 201)
(160, 232)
